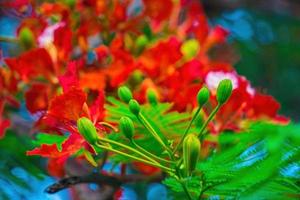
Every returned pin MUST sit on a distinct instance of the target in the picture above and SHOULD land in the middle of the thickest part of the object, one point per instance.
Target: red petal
(37, 97)
(74, 143)
(68, 106)
(196, 22)
(97, 109)
(264, 106)
(45, 151)
(158, 10)
(32, 64)
(63, 42)
(70, 78)
(216, 36)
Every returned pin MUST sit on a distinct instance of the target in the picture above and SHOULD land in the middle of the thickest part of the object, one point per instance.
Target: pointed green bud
(190, 48)
(224, 91)
(126, 126)
(151, 96)
(141, 42)
(134, 106)
(26, 38)
(203, 96)
(191, 151)
(124, 94)
(70, 3)
(87, 129)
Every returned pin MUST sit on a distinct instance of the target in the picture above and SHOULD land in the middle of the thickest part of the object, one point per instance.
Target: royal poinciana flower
(60, 116)
(244, 105)
(80, 50)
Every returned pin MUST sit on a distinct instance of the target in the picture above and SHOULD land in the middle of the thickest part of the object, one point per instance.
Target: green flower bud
(151, 96)
(137, 77)
(134, 107)
(224, 91)
(124, 94)
(70, 3)
(191, 151)
(141, 41)
(203, 96)
(87, 129)
(190, 48)
(126, 126)
(26, 38)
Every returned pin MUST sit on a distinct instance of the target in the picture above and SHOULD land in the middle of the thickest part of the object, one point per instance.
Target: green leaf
(43, 138)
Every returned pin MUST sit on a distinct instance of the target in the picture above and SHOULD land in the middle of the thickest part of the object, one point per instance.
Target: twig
(92, 178)
(114, 181)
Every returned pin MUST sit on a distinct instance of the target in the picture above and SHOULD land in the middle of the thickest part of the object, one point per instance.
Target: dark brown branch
(114, 181)
(93, 178)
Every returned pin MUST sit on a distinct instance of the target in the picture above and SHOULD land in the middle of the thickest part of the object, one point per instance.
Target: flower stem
(210, 117)
(150, 154)
(186, 131)
(186, 190)
(167, 169)
(148, 126)
(128, 148)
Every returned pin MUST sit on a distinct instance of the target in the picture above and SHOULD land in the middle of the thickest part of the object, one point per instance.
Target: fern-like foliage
(170, 125)
(262, 163)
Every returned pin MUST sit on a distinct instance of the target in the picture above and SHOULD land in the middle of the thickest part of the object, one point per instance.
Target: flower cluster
(75, 53)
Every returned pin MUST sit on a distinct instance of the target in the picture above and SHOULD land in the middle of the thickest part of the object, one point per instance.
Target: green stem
(150, 154)
(187, 130)
(128, 148)
(210, 117)
(148, 126)
(134, 157)
(186, 190)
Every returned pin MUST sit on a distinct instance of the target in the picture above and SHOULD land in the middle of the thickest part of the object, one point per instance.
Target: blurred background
(266, 40)
(265, 36)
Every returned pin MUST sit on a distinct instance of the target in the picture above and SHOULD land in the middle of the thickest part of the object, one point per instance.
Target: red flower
(217, 35)
(244, 104)
(58, 158)
(32, 64)
(36, 97)
(63, 42)
(158, 10)
(68, 106)
(158, 61)
(70, 79)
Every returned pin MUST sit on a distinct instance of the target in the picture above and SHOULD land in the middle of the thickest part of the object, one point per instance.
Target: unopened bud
(126, 126)
(224, 91)
(151, 96)
(124, 94)
(87, 129)
(134, 107)
(203, 96)
(141, 42)
(26, 38)
(191, 151)
(190, 48)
